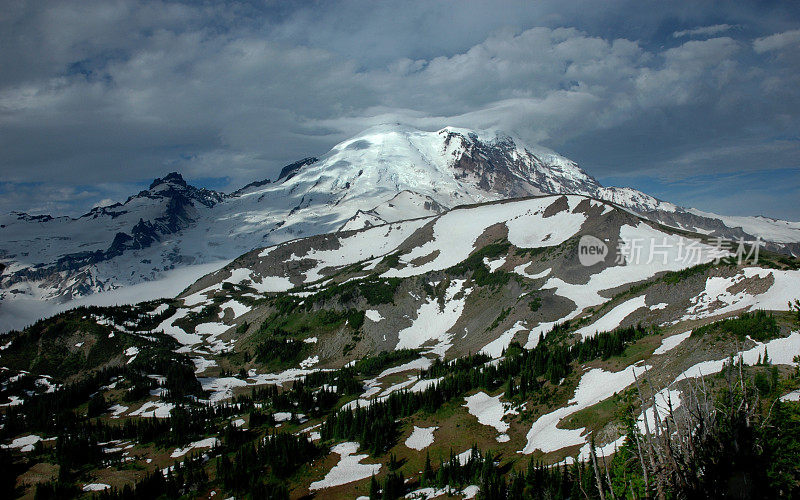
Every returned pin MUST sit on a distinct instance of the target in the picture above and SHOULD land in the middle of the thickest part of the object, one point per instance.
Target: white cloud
(704, 30)
(777, 41)
(122, 91)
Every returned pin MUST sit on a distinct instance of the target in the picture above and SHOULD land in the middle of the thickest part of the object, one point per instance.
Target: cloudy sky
(694, 102)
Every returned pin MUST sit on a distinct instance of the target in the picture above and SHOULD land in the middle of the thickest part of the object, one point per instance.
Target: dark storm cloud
(639, 93)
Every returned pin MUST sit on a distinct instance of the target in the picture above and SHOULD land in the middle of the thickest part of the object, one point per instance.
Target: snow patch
(348, 469)
(373, 315)
(96, 487)
(24, 444)
(237, 307)
(672, 342)
(613, 318)
(220, 387)
(792, 396)
(420, 438)
(309, 362)
(496, 347)
(155, 409)
(489, 410)
(203, 443)
(520, 269)
(494, 265)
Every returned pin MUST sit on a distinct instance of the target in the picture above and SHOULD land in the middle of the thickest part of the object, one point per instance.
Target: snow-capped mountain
(57, 257)
(385, 174)
(168, 206)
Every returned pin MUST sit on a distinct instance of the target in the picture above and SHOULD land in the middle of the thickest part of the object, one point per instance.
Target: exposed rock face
(500, 165)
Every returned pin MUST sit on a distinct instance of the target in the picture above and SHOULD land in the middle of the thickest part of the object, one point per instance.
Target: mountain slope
(442, 248)
(347, 348)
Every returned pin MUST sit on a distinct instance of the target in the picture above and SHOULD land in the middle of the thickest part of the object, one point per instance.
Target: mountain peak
(486, 135)
(288, 171)
(170, 178)
(452, 166)
(389, 128)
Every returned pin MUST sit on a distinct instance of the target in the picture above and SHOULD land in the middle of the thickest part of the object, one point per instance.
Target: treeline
(373, 365)
(375, 291)
(181, 479)
(494, 479)
(723, 442)
(80, 445)
(524, 371)
(43, 347)
(260, 469)
(604, 345)
(276, 338)
(301, 397)
(78, 437)
(345, 379)
(245, 468)
(55, 411)
(281, 350)
(758, 325)
(138, 316)
(441, 368)
(52, 412)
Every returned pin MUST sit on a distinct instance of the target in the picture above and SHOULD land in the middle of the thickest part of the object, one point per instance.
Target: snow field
(717, 299)
(455, 232)
(647, 251)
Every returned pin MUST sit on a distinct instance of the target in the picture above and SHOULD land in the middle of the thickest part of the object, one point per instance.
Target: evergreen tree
(427, 472)
(374, 489)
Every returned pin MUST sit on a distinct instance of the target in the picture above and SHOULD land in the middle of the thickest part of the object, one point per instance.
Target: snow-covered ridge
(769, 229)
(637, 201)
(782, 236)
